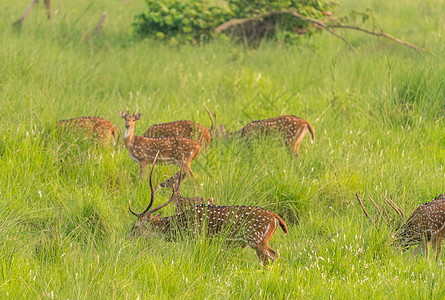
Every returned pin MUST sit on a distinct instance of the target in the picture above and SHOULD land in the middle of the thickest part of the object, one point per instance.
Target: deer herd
(180, 142)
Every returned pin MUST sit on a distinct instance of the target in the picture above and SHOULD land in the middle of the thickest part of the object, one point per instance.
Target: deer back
(427, 219)
(102, 129)
(247, 224)
(188, 129)
(171, 149)
(289, 125)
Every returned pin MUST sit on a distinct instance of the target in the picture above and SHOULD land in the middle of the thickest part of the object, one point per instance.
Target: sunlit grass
(379, 127)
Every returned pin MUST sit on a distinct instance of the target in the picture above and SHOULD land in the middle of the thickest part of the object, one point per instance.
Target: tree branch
(325, 25)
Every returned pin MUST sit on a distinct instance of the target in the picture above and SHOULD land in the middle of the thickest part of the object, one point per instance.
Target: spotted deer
(237, 225)
(179, 201)
(172, 150)
(292, 128)
(424, 228)
(188, 129)
(97, 127)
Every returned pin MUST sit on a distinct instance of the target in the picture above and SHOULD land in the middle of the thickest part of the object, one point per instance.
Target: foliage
(194, 21)
(379, 130)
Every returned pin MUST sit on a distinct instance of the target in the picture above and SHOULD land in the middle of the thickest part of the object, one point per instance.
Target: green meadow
(379, 131)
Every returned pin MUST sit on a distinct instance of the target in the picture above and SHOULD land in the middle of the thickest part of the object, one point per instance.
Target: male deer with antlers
(181, 203)
(238, 225)
(188, 129)
(425, 227)
(101, 129)
(291, 127)
(172, 150)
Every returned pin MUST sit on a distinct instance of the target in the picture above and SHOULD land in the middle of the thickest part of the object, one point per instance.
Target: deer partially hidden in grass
(188, 129)
(237, 225)
(425, 227)
(172, 150)
(96, 127)
(291, 127)
(181, 203)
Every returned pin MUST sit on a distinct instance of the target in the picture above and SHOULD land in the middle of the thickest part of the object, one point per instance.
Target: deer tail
(311, 131)
(281, 223)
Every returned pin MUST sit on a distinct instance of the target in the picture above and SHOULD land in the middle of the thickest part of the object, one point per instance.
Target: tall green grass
(378, 119)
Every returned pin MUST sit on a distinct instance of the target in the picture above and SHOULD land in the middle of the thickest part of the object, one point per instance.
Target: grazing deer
(172, 150)
(237, 225)
(103, 130)
(188, 129)
(181, 203)
(293, 128)
(425, 227)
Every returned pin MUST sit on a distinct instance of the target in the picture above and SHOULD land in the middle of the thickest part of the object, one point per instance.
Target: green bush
(194, 21)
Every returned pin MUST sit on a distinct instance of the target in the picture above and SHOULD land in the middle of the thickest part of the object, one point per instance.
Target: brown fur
(237, 225)
(291, 127)
(188, 129)
(101, 129)
(425, 227)
(172, 150)
(181, 203)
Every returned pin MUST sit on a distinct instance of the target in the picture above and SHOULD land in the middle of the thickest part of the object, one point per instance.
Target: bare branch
(380, 34)
(236, 22)
(25, 14)
(325, 25)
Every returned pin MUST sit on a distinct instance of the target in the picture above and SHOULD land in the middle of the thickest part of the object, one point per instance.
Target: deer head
(130, 120)
(425, 227)
(146, 219)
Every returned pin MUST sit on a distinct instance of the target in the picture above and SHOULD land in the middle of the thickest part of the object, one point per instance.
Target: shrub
(195, 21)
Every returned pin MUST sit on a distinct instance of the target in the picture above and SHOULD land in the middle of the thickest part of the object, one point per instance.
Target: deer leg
(436, 241)
(187, 169)
(427, 249)
(292, 144)
(143, 165)
(272, 253)
(265, 253)
(263, 257)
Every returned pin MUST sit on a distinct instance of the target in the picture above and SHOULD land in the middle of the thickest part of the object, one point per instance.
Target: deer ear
(123, 115)
(138, 116)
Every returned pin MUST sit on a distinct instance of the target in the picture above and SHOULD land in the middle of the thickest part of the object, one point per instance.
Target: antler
(135, 112)
(211, 113)
(364, 210)
(128, 112)
(151, 190)
(395, 207)
(171, 198)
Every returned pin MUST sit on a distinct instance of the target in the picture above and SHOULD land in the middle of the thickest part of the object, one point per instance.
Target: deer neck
(129, 136)
(161, 224)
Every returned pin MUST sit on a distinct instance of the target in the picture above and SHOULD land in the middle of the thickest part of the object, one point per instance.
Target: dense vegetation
(379, 125)
(195, 21)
